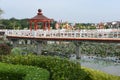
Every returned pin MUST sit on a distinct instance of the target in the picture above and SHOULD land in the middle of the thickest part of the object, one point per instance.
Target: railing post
(74, 34)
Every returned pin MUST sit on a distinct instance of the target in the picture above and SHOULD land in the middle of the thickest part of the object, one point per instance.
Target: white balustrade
(96, 33)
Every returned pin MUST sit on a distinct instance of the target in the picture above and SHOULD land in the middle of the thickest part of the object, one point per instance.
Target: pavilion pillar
(45, 25)
(35, 26)
(30, 26)
(48, 25)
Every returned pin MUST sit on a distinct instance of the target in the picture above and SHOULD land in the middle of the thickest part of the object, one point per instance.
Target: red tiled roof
(42, 17)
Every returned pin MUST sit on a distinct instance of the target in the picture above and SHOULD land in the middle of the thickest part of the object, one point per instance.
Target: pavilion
(40, 18)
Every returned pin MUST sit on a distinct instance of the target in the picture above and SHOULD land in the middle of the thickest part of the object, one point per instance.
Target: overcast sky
(65, 10)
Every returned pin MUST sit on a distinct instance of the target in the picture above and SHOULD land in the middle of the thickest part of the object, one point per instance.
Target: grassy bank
(99, 75)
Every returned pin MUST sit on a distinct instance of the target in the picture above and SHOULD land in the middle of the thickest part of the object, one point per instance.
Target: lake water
(111, 68)
(105, 66)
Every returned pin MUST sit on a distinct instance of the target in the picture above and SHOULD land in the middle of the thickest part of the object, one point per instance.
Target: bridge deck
(67, 39)
(98, 35)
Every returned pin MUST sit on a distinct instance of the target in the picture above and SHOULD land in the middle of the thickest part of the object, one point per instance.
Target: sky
(82, 11)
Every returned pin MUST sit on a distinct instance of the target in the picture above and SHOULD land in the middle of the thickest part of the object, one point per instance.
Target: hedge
(20, 72)
(60, 69)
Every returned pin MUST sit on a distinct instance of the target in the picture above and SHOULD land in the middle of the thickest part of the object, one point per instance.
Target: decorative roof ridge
(39, 12)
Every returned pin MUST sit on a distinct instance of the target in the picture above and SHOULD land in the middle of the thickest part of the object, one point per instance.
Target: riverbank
(107, 66)
(99, 75)
(102, 65)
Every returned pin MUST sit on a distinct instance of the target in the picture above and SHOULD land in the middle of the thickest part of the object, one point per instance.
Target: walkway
(104, 35)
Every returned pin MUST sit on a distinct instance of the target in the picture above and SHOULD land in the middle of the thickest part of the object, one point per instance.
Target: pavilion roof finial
(39, 12)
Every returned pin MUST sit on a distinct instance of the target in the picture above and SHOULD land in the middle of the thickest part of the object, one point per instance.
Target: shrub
(16, 51)
(19, 72)
(4, 49)
(60, 69)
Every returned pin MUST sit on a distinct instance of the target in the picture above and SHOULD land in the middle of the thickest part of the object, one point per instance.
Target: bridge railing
(96, 33)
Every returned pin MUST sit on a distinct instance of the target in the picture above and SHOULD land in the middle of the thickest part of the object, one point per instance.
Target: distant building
(113, 25)
(100, 26)
(109, 25)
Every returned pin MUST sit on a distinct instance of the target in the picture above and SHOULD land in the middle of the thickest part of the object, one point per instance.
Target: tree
(23, 23)
(4, 49)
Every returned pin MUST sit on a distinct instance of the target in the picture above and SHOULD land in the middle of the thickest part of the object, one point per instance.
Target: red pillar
(30, 26)
(48, 25)
(45, 26)
(35, 26)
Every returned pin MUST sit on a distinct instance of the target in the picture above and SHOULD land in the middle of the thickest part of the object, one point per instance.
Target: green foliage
(14, 23)
(4, 49)
(98, 75)
(19, 72)
(85, 26)
(60, 69)
(16, 51)
(62, 49)
(87, 48)
(100, 49)
(53, 24)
